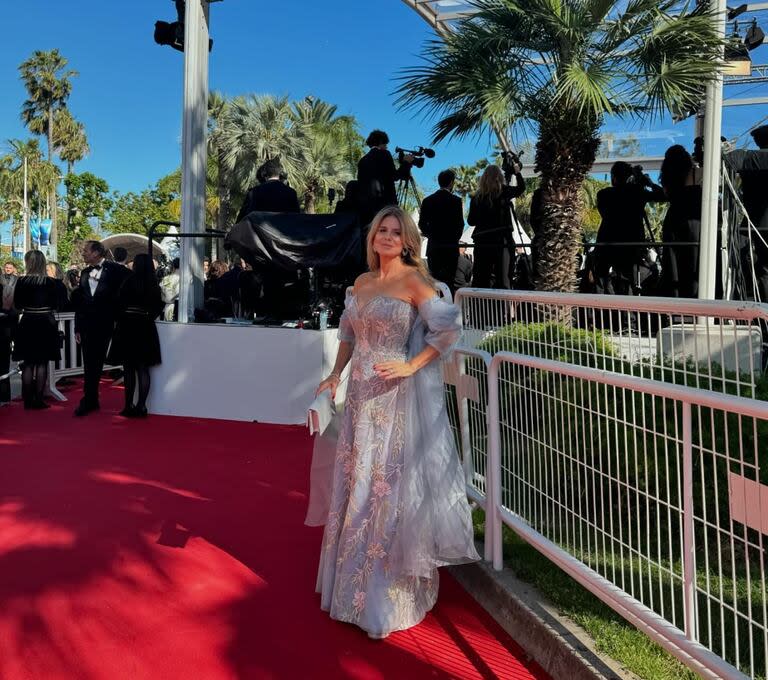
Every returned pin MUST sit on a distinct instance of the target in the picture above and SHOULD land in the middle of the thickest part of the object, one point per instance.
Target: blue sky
(348, 52)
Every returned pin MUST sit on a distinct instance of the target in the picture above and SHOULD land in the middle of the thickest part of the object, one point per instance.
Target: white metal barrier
(624, 442)
(714, 345)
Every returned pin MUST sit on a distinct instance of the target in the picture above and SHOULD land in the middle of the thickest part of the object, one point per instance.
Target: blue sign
(40, 231)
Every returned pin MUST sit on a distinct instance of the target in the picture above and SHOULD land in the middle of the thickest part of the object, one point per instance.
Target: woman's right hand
(330, 383)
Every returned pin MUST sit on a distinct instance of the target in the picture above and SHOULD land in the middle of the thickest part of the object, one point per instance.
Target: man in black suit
(376, 176)
(95, 311)
(441, 220)
(272, 195)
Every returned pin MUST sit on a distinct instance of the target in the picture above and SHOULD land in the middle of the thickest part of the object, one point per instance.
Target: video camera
(639, 177)
(418, 153)
(508, 161)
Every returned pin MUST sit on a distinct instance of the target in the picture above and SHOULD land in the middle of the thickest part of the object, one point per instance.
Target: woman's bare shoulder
(419, 288)
(361, 281)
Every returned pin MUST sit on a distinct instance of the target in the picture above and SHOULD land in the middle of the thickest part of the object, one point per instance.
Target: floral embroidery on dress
(355, 579)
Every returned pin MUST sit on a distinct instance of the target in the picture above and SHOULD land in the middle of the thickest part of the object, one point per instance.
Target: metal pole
(25, 217)
(193, 156)
(689, 546)
(710, 189)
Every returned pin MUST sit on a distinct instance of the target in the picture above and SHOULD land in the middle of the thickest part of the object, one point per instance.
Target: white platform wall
(234, 372)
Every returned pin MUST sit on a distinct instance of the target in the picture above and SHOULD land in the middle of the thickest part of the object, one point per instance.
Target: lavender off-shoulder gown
(398, 508)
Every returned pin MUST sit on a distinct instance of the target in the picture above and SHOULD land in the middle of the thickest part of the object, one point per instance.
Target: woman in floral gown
(398, 506)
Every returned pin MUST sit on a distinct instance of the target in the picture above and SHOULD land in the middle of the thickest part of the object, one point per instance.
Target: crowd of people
(619, 260)
(115, 304)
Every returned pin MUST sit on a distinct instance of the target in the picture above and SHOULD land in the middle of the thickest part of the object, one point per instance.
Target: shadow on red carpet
(175, 548)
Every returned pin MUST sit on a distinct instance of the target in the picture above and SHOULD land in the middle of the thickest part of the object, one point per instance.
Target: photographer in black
(271, 194)
(492, 214)
(376, 176)
(622, 209)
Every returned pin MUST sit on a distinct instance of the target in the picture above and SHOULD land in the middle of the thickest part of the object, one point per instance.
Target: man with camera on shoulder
(622, 229)
(377, 174)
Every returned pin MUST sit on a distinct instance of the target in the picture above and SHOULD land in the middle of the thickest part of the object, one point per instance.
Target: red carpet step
(174, 548)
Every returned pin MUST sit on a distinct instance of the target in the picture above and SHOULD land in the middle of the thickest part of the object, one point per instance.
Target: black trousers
(94, 345)
(442, 265)
(491, 266)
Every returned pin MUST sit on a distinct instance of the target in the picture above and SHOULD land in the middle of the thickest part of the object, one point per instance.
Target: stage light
(754, 37)
(172, 33)
(736, 11)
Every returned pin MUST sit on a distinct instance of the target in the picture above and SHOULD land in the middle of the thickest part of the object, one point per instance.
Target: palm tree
(69, 138)
(254, 129)
(48, 87)
(218, 107)
(41, 175)
(560, 68)
(327, 143)
(467, 177)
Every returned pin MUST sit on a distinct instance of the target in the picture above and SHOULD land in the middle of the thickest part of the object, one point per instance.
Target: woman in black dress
(135, 343)
(36, 342)
(682, 223)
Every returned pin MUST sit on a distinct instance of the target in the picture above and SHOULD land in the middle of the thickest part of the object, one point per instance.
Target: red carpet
(174, 548)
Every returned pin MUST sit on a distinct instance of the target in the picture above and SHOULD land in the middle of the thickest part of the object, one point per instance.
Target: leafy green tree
(87, 198)
(560, 68)
(134, 213)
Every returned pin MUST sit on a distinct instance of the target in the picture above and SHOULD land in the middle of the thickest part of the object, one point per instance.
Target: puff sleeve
(346, 330)
(443, 324)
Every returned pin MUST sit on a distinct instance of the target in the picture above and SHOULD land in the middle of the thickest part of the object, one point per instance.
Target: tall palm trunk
(564, 155)
(310, 196)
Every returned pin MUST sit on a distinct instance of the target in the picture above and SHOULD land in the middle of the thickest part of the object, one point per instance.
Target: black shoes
(133, 412)
(35, 405)
(85, 409)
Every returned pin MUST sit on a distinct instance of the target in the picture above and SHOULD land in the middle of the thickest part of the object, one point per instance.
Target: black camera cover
(291, 241)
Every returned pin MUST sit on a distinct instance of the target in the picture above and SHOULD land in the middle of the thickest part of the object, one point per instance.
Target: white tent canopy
(134, 244)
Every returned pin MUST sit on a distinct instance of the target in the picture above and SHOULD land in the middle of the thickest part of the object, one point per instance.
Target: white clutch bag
(320, 412)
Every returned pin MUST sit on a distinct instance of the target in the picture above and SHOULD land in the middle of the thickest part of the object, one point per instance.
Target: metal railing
(632, 460)
(714, 345)
(642, 491)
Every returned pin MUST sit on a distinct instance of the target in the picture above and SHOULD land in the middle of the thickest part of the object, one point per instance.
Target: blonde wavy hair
(410, 235)
(491, 183)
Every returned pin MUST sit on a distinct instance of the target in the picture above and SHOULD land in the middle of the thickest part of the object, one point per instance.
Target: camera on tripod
(638, 177)
(510, 159)
(418, 155)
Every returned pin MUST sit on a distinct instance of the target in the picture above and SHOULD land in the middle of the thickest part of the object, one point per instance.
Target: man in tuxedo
(95, 312)
(441, 220)
(272, 195)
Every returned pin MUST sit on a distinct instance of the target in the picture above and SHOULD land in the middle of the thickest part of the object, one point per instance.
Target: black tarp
(289, 241)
